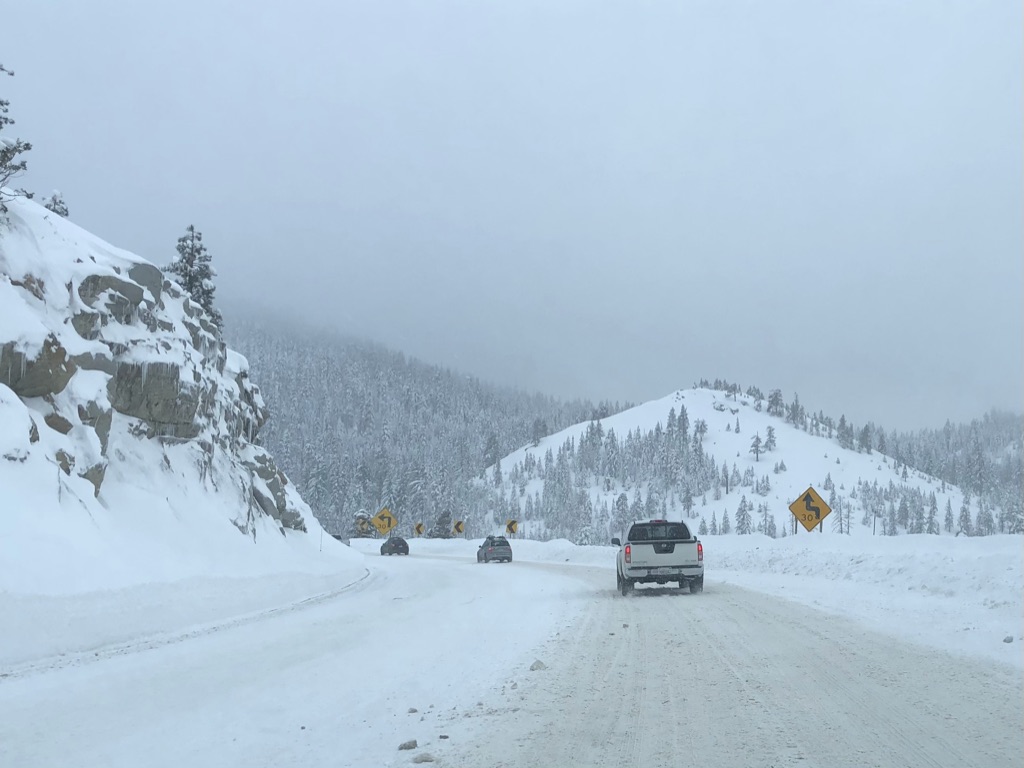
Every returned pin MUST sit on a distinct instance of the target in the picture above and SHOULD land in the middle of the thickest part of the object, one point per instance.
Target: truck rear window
(659, 532)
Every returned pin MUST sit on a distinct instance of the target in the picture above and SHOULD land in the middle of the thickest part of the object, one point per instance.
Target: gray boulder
(98, 417)
(65, 461)
(93, 286)
(57, 422)
(88, 324)
(90, 361)
(155, 393)
(148, 277)
(95, 475)
(45, 374)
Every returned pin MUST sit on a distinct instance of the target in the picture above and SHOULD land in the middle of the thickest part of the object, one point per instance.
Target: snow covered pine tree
(195, 273)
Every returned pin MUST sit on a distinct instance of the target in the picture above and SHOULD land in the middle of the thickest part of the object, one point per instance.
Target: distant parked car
(396, 545)
(494, 548)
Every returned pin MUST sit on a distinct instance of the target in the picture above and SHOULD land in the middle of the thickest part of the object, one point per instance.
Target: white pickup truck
(657, 552)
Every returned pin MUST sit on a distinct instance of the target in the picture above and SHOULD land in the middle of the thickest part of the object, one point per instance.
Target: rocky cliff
(112, 377)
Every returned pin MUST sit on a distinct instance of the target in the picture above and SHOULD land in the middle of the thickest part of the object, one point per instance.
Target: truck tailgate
(663, 553)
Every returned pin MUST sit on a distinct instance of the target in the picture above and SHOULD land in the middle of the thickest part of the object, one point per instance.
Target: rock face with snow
(100, 352)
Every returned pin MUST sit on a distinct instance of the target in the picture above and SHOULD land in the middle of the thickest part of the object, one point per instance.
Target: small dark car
(396, 545)
(494, 548)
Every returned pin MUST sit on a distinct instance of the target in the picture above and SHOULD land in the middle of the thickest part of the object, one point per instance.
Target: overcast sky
(598, 199)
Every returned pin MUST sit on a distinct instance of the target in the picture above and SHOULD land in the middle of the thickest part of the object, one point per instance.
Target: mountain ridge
(691, 454)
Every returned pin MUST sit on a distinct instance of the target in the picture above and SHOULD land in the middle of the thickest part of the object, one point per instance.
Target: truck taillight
(700, 552)
(629, 553)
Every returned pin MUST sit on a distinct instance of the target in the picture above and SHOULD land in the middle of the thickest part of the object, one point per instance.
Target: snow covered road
(727, 678)
(325, 682)
(734, 678)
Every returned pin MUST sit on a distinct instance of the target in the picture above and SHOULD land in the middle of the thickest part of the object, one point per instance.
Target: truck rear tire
(697, 585)
(626, 586)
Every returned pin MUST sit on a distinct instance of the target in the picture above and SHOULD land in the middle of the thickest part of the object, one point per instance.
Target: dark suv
(494, 548)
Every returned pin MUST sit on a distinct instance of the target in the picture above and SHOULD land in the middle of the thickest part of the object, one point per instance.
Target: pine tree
(714, 525)
(55, 204)
(687, 501)
(948, 523)
(10, 166)
(744, 524)
(726, 527)
(683, 426)
(492, 452)
(702, 530)
(903, 516)
(864, 439)
(965, 524)
(194, 271)
(916, 516)
(636, 509)
(756, 447)
(769, 440)
(442, 528)
(737, 425)
(538, 430)
(985, 524)
(932, 525)
(891, 524)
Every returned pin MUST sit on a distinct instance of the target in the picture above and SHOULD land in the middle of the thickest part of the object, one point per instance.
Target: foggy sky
(597, 199)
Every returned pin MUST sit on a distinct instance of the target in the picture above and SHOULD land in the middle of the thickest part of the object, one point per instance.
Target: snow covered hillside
(585, 483)
(725, 463)
(128, 430)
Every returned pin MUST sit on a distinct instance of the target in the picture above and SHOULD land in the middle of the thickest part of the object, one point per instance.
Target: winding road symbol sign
(810, 509)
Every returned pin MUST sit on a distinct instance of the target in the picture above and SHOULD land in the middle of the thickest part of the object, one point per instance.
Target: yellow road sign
(810, 509)
(511, 526)
(459, 527)
(419, 529)
(384, 521)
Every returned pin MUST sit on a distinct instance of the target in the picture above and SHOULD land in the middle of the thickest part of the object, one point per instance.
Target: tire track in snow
(735, 678)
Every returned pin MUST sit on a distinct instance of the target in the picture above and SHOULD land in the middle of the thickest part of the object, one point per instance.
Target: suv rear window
(499, 541)
(659, 532)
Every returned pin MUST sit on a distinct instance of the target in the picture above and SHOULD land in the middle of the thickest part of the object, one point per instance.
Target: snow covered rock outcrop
(112, 379)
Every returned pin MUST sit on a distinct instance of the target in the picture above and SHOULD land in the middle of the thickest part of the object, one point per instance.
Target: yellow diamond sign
(384, 521)
(810, 509)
